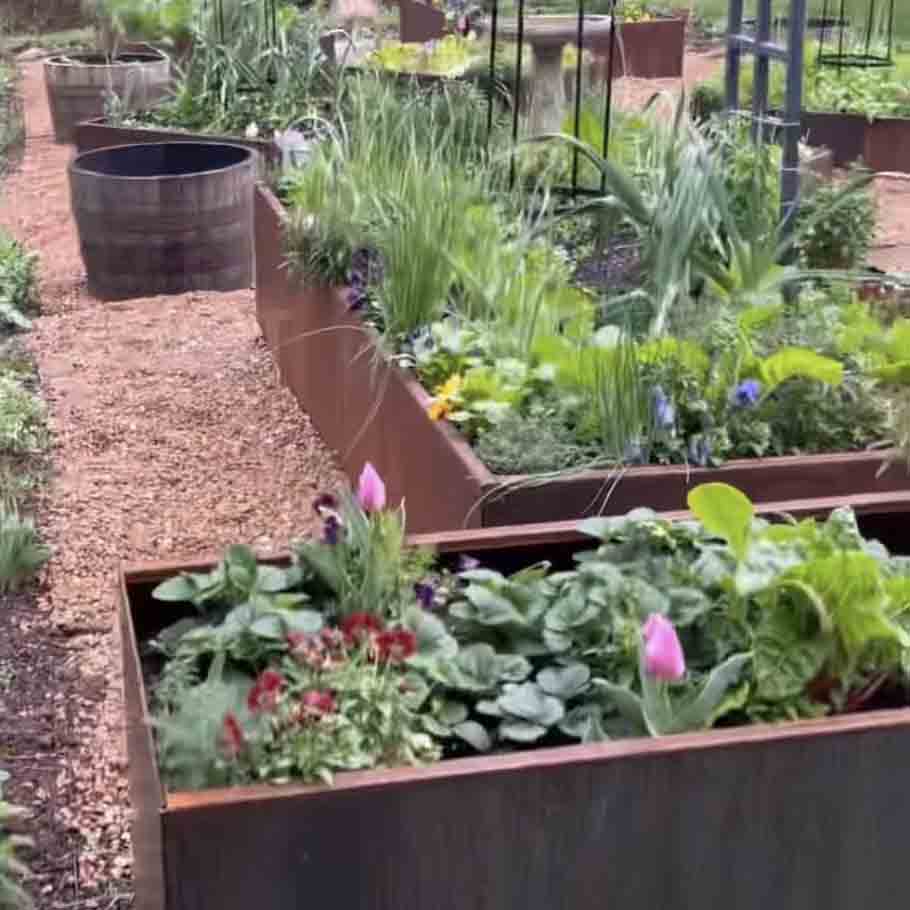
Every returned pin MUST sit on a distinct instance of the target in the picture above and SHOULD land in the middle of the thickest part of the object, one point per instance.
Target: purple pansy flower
(699, 451)
(664, 412)
(747, 393)
(330, 530)
(425, 594)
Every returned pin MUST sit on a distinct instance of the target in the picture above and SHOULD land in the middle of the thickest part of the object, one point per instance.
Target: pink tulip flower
(370, 490)
(664, 657)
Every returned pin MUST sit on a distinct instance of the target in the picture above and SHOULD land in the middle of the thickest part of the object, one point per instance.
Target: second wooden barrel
(164, 218)
(79, 84)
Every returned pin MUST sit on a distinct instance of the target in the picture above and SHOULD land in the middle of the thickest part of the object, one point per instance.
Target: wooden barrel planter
(77, 85)
(164, 218)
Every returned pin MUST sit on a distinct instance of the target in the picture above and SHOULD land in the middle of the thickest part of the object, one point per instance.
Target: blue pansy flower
(747, 393)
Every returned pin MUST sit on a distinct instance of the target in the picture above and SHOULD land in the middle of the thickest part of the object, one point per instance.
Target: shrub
(22, 427)
(840, 240)
(21, 552)
(18, 283)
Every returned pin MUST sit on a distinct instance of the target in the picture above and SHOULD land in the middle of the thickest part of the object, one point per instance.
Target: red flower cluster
(232, 740)
(318, 652)
(395, 645)
(388, 645)
(264, 694)
(316, 703)
(360, 627)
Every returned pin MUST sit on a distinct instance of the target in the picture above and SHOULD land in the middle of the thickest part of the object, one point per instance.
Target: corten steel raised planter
(795, 816)
(164, 218)
(883, 144)
(368, 409)
(645, 50)
(98, 133)
(419, 22)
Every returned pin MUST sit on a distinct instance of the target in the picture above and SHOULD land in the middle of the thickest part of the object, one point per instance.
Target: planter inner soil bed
(748, 817)
(164, 218)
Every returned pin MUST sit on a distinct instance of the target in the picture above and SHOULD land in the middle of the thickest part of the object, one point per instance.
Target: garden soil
(172, 438)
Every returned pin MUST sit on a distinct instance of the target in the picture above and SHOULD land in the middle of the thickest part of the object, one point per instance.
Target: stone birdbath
(548, 35)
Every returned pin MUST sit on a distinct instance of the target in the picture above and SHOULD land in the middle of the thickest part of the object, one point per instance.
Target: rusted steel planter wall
(883, 144)
(804, 816)
(369, 410)
(645, 50)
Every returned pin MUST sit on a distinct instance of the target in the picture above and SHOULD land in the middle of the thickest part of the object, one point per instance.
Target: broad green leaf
(895, 373)
(789, 363)
(725, 512)
(564, 682)
(521, 731)
(492, 609)
(451, 713)
(269, 626)
(786, 655)
(584, 721)
(626, 702)
(474, 734)
(309, 622)
(271, 579)
(527, 702)
(181, 588)
(722, 678)
(433, 639)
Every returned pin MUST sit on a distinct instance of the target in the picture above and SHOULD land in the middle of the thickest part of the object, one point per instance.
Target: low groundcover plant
(364, 652)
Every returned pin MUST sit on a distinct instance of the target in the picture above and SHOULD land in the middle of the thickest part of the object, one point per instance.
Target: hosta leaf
(564, 682)
(528, 702)
(474, 734)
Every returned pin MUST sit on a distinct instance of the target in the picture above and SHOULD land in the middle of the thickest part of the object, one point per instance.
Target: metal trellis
(761, 46)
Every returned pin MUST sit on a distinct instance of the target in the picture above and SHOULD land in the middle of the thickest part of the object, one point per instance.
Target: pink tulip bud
(370, 490)
(664, 657)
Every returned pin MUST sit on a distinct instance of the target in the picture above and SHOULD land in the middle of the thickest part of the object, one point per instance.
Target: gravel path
(172, 437)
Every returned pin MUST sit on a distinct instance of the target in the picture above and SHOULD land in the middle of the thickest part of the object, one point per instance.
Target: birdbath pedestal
(548, 35)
